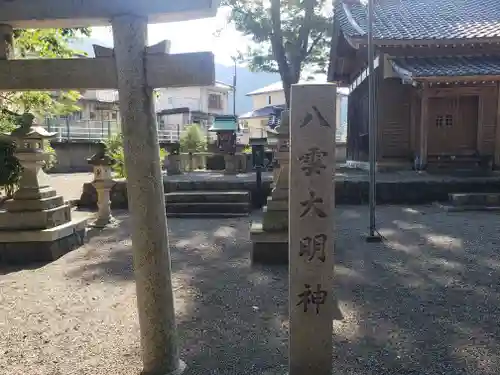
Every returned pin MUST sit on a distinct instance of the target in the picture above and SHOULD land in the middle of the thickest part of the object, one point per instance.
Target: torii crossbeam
(135, 71)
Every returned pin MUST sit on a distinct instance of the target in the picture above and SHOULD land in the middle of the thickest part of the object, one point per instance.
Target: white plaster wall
(194, 98)
(262, 100)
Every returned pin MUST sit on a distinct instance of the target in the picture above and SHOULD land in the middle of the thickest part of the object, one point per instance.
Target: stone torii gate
(134, 71)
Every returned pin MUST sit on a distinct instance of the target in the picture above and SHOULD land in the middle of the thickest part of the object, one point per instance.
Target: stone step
(208, 208)
(475, 199)
(207, 197)
(201, 215)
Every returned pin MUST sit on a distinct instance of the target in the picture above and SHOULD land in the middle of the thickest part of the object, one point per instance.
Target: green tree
(193, 140)
(287, 35)
(46, 43)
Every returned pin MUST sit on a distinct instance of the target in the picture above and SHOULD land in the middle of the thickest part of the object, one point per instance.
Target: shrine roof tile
(449, 66)
(422, 19)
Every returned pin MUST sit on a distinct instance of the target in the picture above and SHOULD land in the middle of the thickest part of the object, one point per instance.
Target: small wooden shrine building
(437, 67)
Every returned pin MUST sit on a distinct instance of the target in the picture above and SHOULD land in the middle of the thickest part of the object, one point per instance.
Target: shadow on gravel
(426, 301)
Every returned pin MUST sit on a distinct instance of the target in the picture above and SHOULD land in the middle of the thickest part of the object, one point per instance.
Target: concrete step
(209, 208)
(207, 197)
(475, 199)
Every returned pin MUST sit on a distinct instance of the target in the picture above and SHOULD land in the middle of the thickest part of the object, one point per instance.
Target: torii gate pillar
(146, 200)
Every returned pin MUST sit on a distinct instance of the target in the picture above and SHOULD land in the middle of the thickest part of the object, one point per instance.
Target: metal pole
(234, 88)
(372, 130)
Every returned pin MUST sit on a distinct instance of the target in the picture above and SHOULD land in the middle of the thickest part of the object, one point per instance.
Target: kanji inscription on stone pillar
(311, 227)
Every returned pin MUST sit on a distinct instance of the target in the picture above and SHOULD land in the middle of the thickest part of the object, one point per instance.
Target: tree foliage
(193, 139)
(289, 36)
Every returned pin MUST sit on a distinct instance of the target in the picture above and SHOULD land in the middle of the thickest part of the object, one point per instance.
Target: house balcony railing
(95, 131)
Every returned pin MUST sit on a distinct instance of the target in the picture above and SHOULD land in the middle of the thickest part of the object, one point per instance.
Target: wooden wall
(394, 118)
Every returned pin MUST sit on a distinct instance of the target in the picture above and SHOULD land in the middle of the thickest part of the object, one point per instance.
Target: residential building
(437, 77)
(98, 118)
(181, 106)
(270, 98)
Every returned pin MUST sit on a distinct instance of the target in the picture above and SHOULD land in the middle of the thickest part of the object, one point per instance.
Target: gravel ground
(424, 302)
(70, 185)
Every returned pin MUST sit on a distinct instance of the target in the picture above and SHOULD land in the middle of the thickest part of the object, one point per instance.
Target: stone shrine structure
(37, 224)
(270, 237)
(311, 230)
(135, 70)
(103, 183)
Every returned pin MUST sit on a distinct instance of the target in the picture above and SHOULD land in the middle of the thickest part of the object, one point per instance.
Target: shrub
(193, 140)
(114, 146)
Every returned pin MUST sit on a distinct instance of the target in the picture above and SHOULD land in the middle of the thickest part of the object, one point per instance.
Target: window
(444, 121)
(114, 116)
(448, 121)
(214, 101)
(92, 115)
(439, 121)
(269, 100)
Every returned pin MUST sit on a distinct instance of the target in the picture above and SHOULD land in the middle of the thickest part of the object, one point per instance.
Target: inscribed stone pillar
(146, 200)
(311, 228)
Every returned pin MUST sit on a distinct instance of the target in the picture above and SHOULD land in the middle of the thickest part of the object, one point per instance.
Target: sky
(192, 36)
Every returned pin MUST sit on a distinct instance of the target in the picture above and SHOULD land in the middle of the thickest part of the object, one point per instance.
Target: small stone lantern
(103, 183)
(174, 160)
(30, 140)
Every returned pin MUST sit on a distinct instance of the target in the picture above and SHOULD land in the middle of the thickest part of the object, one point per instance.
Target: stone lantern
(103, 183)
(36, 225)
(30, 140)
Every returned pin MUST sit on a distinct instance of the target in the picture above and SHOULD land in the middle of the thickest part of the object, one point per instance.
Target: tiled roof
(422, 19)
(449, 66)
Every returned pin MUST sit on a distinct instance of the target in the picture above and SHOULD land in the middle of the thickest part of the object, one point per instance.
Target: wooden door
(440, 126)
(453, 123)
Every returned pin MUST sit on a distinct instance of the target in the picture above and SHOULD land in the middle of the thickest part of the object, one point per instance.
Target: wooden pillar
(146, 200)
(311, 228)
(413, 122)
(497, 134)
(6, 49)
(424, 123)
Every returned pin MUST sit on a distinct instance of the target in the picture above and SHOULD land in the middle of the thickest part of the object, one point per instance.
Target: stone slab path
(427, 301)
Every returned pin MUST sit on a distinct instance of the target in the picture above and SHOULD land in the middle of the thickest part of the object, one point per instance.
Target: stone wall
(72, 156)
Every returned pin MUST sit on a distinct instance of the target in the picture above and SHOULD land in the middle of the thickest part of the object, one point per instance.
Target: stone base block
(17, 205)
(24, 247)
(26, 220)
(277, 205)
(42, 193)
(275, 220)
(280, 193)
(268, 247)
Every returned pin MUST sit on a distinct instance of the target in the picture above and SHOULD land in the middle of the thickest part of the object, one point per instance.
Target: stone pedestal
(103, 183)
(174, 165)
(270, 237)
(36, 225)
(231, 164)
